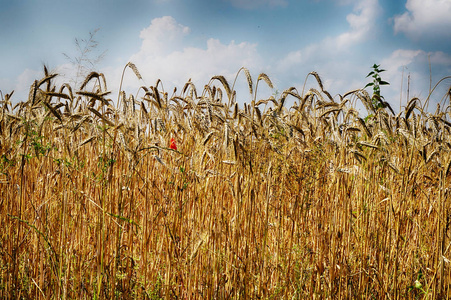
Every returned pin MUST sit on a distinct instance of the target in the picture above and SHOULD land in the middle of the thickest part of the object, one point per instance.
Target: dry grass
(264, 201)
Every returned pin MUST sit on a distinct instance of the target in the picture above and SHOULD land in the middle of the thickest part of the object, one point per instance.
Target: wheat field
(190, 195)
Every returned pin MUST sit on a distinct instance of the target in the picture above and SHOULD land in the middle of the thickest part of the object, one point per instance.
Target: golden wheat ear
(248, 78)
(89, 78)
(224, 83)
(135, 71)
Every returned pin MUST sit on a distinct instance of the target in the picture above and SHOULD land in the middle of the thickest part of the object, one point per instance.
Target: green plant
(6, 162)
(37, 144)
(417, 286)
(376, 99)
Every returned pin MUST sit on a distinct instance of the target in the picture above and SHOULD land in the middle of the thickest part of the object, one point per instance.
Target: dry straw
(302, 197)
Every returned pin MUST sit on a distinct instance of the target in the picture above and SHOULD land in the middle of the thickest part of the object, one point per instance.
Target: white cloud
(401, 58)
(291, 59)
(425, 17)
(341, 67)
(28, 77)
(361, 23)
(441, 58)
(162, 35)
(252, 4)
(330, 57)
(163, 55)
(21, 85)
(401, 65)
(413, 66)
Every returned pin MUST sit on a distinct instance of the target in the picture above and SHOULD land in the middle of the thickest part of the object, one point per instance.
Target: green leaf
(383, 83)
(369, 74)
(369, 84)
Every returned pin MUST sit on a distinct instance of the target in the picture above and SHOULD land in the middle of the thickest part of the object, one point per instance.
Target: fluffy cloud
(21, 85)
(405, 65)
(361, 23)
(330, 57)
(402, 58)
(402, 66)
(252, 4)
(163, 55)
(335, 59)
(163, 34)
(441, 58)
(425, 17)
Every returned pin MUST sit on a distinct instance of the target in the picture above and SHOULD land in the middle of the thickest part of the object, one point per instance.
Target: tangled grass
(260, 201)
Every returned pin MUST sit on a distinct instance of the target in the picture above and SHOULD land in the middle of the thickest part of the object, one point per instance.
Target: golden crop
(266, 200)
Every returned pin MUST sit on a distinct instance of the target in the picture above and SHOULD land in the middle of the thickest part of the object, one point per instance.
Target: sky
(178, 40)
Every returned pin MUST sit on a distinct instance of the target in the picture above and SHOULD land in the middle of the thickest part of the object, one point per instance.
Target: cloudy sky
(175, 40)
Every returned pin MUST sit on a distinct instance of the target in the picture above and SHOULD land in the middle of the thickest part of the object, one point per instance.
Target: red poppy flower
(173, 145)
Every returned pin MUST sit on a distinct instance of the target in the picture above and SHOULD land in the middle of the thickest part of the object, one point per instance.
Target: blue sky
(175, 40)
